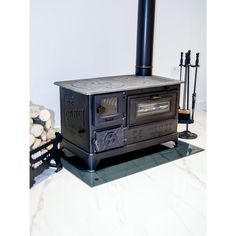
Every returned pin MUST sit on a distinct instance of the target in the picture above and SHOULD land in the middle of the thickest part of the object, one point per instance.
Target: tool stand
(186, 116)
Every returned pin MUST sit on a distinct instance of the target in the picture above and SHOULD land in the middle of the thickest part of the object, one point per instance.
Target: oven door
(151, 108)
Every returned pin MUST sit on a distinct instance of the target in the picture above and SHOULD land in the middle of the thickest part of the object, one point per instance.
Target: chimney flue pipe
(145, 33)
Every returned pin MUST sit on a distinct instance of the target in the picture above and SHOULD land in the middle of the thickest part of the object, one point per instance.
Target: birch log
(51, 134)
(44, 115)
(32, 139)
(36, 130)
(34, 111)
(37, 143)
(48, 124)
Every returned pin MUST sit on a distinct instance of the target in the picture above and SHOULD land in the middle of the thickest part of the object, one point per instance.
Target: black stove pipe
(145, 33)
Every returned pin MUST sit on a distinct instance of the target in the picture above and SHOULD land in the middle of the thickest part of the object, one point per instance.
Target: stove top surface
(115, 84)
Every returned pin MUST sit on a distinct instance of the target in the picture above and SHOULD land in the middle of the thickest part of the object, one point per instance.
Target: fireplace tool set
(186, 116)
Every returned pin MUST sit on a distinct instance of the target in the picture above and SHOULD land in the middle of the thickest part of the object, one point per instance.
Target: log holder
(46, 158)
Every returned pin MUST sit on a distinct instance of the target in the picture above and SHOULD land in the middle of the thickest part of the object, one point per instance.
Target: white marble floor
(168, 200)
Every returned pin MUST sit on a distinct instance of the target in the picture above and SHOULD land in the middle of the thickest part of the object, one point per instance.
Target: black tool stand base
(187, 135)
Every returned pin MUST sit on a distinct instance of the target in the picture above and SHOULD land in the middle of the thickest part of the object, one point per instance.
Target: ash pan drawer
(108, 139)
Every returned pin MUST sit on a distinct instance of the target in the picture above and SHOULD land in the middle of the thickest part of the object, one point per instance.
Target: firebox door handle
(101, 109)
(109, 118)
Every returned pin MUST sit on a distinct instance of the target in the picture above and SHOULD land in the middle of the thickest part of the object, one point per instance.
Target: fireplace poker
(181, 65)
(188, 75)
(195, 83)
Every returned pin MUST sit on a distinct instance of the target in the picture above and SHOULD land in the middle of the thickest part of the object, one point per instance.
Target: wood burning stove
(105, 117)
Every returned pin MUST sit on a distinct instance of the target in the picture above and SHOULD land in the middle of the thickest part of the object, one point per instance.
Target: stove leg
(176, 143)
(92, 164)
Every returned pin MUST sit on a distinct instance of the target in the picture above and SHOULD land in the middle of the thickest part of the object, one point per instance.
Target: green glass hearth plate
(120, 166)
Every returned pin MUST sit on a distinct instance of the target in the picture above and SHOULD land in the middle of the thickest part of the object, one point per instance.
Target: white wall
(180, 26)
(75, 39)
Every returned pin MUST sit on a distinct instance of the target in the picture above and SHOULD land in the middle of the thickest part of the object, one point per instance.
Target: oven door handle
(163, 107)
(154, 97)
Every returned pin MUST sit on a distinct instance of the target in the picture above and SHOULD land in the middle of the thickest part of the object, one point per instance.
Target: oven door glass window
(152, 108)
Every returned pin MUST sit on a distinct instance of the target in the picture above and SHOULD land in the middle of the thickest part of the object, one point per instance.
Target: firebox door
(109, 109)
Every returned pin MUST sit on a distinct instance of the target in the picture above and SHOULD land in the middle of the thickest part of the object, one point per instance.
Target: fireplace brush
(185, 116)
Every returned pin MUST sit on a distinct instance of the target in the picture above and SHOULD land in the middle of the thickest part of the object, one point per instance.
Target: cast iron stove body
(106, 117)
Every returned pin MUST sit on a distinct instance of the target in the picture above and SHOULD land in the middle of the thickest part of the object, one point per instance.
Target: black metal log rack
(51, 158)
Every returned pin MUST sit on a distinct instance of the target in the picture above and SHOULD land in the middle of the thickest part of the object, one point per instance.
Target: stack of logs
(41, 130)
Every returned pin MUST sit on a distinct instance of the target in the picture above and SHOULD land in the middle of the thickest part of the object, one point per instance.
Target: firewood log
(37, 143)
(37, 164)
(49, 147)
(32, 139)
(36, 130)
(44, 115)
(44, 136)
(44, 151)
(42, 143)
(36, 155)
(34, 111)
(48, 124)
(51, 134)
(30, 123)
